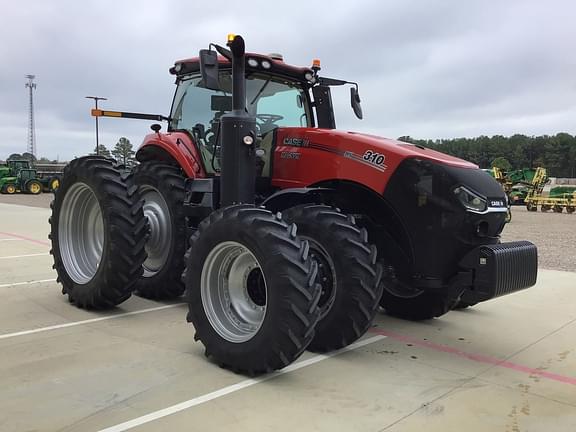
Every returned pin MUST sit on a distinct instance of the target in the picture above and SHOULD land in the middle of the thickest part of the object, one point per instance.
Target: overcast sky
(429, 69)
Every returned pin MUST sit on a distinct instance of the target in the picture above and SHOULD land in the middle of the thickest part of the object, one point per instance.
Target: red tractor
(285, 233)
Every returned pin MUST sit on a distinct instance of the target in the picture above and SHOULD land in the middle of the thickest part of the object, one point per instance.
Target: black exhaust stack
(237, 137)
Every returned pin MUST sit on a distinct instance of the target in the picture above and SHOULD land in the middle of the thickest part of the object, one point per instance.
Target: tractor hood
(390, 148)
(321, 154)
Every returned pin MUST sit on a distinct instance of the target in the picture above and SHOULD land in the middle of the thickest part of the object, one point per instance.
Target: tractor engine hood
(390, 148)
(322, 154)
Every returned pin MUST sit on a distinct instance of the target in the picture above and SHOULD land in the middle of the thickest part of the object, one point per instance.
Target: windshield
(273, 101)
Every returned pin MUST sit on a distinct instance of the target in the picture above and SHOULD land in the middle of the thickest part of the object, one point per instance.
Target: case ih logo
(296, 142)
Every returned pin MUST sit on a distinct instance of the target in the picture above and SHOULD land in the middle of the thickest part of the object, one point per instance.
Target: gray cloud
(428, 69)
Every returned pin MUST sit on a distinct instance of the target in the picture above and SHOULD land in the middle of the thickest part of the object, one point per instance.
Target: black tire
(34, 187)
(54, 184)
(124, 232)
(291, 311)
(414, 305)
(463, 305)
(423, 307)
(9, 189)
(348, 273)
(162, 281)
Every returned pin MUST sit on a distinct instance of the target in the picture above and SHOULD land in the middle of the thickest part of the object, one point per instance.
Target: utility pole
(31, 85)
(96, 99)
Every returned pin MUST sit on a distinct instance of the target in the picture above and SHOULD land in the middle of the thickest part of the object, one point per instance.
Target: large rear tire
(251, 290)
(98, 233)
(33, 187)
(161, 186)
(348, 273)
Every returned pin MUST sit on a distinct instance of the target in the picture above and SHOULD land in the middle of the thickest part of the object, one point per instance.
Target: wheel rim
(55, 184)
(10, 189)
(34, 188)
(234, 293)
(326, 275)
(81, 233)
(160, 224)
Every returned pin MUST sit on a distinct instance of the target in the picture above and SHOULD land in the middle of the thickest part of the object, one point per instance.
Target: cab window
(275, 103)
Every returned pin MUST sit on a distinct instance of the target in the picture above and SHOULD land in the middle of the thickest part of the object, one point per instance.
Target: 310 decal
(374, 158)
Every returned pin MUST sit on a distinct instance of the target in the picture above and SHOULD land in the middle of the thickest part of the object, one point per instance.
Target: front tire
(251, 290)
(401, 300)
(161, 186)
(348, 273)
(464, 305)
(9, 189)
(98, 233)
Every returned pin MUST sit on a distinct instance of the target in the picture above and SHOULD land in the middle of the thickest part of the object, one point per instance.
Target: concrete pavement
(506, 365)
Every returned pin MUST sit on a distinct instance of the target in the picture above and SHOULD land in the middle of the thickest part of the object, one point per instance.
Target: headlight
(252, 62)
(266, 64)
(471, 200)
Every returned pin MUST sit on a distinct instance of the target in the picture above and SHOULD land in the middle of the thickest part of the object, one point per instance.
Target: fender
(293, 196)
(173, 147)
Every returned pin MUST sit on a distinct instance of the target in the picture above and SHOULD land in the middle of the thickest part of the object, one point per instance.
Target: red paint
(340, 156)
(181, 148)
(43, 243)
(476, 357)
(314, 166)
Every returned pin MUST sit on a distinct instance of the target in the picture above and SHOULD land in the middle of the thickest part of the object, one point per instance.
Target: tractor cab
(26, 174)
(17, 165)
(278, 95)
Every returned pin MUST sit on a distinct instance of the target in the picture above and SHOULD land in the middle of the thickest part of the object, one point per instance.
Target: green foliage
(102, 151)
(557, 153)
(502, 163)
(123, 152)
(14, 156)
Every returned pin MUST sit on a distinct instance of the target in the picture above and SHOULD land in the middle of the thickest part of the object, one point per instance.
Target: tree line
(556, 153)
(122, 152)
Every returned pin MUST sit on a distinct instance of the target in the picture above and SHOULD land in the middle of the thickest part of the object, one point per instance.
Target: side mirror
(355, 102)
(209, 69)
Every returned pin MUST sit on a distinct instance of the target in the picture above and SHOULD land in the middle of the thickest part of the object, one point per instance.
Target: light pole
(31, 85)
(96, 99)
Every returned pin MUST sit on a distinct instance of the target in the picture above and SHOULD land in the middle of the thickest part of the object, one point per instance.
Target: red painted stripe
(476, 357)
(21, 237)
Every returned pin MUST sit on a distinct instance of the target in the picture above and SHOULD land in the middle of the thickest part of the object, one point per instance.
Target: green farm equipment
(556, 203)
(516, 183)
(24, 181)
(48, 175)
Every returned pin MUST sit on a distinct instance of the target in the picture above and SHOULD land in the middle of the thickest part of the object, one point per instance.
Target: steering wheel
(267, 124)
(269, 118)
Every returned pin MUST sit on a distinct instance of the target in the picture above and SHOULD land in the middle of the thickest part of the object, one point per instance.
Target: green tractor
(24, 181)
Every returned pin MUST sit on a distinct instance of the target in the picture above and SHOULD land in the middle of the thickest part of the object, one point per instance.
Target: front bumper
(500, 269)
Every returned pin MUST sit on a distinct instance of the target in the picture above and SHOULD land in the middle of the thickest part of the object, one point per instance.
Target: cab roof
(277, 67)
